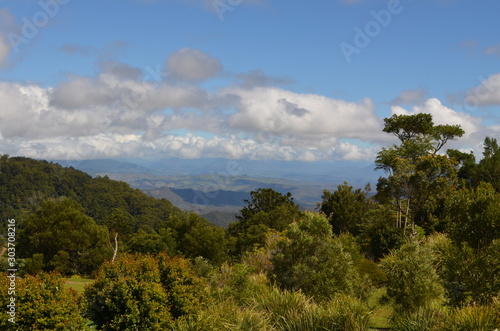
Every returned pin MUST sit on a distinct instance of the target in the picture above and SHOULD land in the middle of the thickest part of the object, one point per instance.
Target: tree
(417, 176)
(489, 166)
(196, 237)
(267, 210)
(379, 235)
(345, 208)
(264, 200)
(467, 168)
(69, 240)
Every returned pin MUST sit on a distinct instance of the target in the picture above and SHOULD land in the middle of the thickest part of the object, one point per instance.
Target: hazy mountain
(217, 188)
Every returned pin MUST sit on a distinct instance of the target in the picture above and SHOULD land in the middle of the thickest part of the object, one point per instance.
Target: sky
(241, 79)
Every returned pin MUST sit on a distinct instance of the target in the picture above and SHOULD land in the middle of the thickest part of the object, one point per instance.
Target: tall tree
(417, 175)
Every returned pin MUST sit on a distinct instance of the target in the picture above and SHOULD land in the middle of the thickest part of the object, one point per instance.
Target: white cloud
(119, 113)
(308, 118)
(193, 65)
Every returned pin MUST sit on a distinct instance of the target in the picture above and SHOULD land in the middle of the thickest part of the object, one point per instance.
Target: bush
(42, 303)
(413, 281)
(310, 259)
(127, 294)
(423, 319)
(141, 292)
(468, 318)
(292, 311)
(473, 318)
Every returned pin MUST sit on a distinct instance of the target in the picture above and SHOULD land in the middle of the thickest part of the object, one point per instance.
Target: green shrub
(224, 315)
(42, 303)
(141, 292)
(127, 295)
(468, 318)
(309, 259)
(477, 318)
(423, 319)
(413, 281)
(292, 311)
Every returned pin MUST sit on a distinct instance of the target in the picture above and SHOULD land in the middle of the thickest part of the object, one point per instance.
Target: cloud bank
(124, 111)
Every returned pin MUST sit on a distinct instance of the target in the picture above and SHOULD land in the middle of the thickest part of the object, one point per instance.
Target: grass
(78, 283)
(381, 313)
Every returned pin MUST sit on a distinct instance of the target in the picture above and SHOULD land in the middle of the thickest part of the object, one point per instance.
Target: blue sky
(251, 79)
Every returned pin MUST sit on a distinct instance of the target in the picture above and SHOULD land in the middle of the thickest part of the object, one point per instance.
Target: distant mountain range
(217, 188)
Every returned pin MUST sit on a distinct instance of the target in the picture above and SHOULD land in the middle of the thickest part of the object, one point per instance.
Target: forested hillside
(57, 208)
(423, 253)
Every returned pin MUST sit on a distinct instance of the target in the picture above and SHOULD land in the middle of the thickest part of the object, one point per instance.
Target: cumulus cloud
(309, 118)
(121, 88)
(121, 113)
(193, 65)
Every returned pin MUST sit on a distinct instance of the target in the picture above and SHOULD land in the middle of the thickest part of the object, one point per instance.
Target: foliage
(264, 200)
(418, 176)
(294, 311)
(267, 210)
(413, 281)
(379, 232)
(470, 275)
(69, 241)
(489, 167)
(144, 224)
(474, 215)
(372, 271)
(345, 208)
(480, 318)
(310, 259)
(140, 292)
(127, 294)
(42, 303)
(186, 291)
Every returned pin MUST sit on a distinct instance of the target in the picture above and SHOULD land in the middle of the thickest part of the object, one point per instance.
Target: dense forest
(424, 249)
